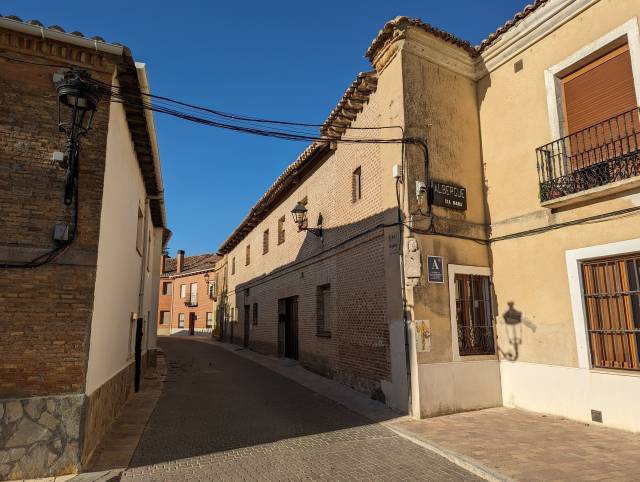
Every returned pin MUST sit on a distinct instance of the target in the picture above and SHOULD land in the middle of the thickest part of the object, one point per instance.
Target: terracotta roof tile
(199, 262)
(56, 28)
(510, 24)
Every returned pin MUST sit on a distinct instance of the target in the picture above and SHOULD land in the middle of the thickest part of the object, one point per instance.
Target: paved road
(222, 417)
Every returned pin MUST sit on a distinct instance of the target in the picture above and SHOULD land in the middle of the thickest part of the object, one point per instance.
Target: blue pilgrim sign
(435, 270)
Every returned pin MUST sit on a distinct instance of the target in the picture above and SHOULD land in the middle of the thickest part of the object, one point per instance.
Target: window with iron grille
(193, 294)
(265, 241)
(323, 310)
(281, 230)
(181, 320)
(611, 290)
(356, 185)
(473, 314)
(209, 319)
(255, 313)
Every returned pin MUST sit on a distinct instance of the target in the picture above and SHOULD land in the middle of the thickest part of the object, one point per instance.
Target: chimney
(163, 262)
(180, 261)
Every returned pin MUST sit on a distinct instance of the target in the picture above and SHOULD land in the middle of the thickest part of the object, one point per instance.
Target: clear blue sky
(280, 59)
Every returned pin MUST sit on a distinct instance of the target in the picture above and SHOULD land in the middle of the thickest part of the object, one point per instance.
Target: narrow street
(222, 417)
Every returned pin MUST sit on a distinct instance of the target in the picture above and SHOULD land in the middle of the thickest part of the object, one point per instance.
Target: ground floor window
(209, 319)
(611, 290)
(181, 320)
(322, 310)
(473, 314)
(165, 317)
(255, 313)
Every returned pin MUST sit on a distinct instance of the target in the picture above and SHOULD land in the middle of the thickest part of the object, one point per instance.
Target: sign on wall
(435, 270)
(449, 195)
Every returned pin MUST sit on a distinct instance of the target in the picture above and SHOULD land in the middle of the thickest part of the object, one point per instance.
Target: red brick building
(187, 291)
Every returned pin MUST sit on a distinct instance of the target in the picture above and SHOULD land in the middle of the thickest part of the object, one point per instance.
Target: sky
(288, 60)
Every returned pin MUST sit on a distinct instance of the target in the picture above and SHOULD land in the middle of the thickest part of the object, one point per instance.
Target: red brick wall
(46, 311)
(177, 305)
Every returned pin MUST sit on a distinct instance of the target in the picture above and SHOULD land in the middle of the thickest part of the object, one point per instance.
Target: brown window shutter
(600, 90)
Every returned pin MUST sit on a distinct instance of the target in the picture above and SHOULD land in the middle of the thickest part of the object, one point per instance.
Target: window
(323, 309)
(611, 290)
(167, 288)
(247, 259)
(265, 241)
(255, 313)
(183, 292)
(212, 289)
(148, 251)
(139, 231)
(209, 319)
(281, 230)
(473, 314)
(165, 317)
(193, 294)
(356, 185)
(181, 320)
(233, 265)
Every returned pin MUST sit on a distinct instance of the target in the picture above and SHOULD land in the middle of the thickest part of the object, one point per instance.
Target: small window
(140, 231)
(212, 289)
(233, 265)
(167, 288)
(183, 292)
(281, 230)
(209, 319)
(247, 260)
(323, 310)
(473, 314)
(265, 241)
(165, 317)
(356, 185)
(255, 313)
(181, 320)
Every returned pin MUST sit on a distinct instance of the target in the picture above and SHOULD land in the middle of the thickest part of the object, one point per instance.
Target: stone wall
(39, 436)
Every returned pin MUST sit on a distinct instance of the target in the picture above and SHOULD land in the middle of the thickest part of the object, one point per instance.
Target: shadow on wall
(514, 321)
(349, 259)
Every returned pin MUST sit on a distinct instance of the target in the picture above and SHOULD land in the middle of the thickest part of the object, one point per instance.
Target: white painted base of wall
(459, 386)
(572, 392)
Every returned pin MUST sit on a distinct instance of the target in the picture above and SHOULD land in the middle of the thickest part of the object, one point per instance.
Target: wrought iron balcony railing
(598, 155)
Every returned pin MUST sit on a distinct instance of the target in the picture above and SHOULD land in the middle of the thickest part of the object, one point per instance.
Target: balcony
(602, 154)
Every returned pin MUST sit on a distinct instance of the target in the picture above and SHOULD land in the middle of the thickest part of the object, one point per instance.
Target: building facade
(491, 258)
(79, 279)
(188, 291)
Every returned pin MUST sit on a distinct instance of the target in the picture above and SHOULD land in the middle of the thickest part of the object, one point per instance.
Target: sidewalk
(499, 444)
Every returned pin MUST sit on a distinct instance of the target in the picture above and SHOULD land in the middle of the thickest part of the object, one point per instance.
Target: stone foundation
(104, 405)
(40, 436)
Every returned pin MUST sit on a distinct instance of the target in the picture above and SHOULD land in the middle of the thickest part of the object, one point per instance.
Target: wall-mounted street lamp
(299, 213)
(78, 99)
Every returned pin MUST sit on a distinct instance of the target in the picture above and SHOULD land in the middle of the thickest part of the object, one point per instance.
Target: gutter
(68, 38)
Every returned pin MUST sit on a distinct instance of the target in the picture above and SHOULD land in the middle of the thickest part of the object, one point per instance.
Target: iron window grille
(474, 315)
(596, 156)
(611, 290)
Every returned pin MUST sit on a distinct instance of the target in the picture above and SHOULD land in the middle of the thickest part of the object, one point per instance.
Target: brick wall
(46, 312)
(350, 258)
(177, 305)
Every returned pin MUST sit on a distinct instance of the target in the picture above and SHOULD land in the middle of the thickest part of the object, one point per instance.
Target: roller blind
(600, 90)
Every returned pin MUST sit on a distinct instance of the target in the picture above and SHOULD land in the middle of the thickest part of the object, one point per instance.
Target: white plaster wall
(118, 272)
(458, 386)
(572, 392)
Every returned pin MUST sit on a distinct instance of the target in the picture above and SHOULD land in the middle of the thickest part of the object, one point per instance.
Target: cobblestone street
(222, 417)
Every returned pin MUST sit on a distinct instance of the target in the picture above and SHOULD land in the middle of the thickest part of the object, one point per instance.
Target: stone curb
(356, 402)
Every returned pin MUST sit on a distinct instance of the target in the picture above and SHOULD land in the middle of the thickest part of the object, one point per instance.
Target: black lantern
(299, 213)
(79, 96)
